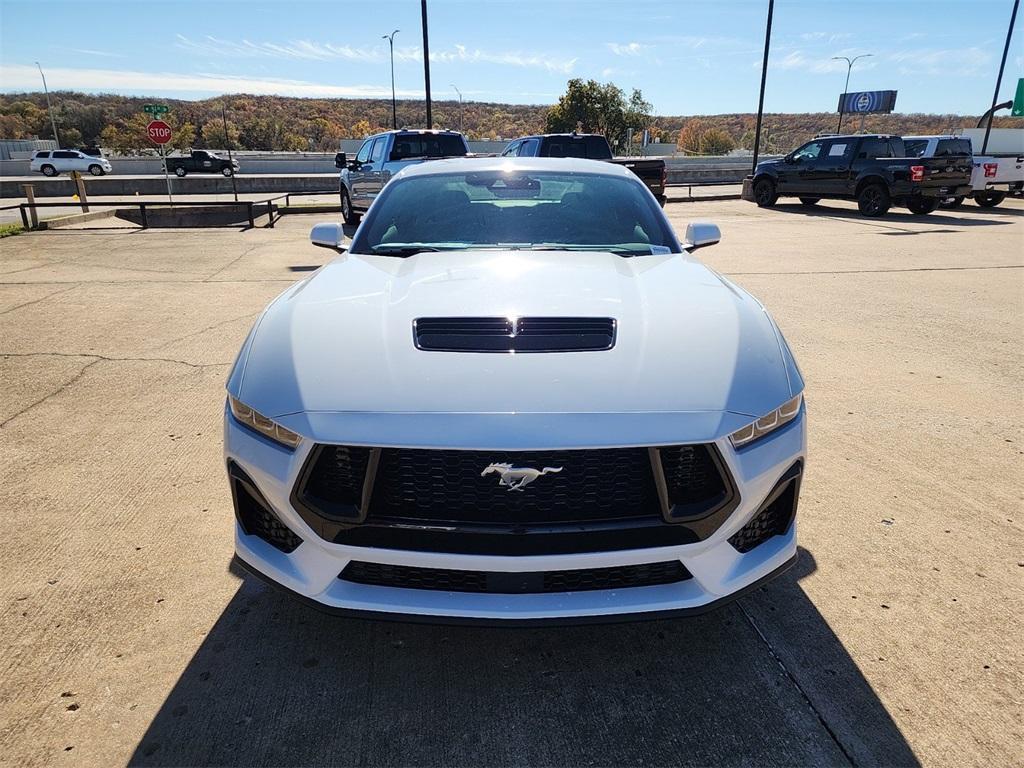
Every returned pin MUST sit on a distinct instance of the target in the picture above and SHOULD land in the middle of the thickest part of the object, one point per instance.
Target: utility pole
(227, 140)
(49, 108)
(764, 76)
(426, 61)
(394, 109)
(460, 104)
(999, 79)
(849, 66)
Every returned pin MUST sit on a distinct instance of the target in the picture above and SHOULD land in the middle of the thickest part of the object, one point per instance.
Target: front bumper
(718, 570)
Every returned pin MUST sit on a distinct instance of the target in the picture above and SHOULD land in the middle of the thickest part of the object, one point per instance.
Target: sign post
(159, 133)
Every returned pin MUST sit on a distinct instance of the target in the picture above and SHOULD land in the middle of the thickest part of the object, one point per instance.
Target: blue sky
(686, 57)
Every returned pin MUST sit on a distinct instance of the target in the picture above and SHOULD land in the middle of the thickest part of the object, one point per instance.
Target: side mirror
(327, 235)
(700, 234)
(340, 160)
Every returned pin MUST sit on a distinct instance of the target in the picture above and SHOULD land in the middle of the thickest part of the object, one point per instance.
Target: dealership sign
(865, 102)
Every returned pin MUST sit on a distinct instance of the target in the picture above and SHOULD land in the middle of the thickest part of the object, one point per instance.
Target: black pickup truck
(591, 146)
(874, 170)
(201, 161)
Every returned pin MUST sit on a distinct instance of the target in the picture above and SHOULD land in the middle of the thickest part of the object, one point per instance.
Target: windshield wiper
(606, 248)
(404, 249)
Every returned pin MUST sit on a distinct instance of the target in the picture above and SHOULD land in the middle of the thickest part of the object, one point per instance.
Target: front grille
(450, 486)
(691, 476)
(445, 580)
(525, 334)
(334, 483)
(773, 519)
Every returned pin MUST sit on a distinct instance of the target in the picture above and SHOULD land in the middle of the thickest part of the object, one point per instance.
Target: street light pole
(49, 108)
(460, 104)
(849, 66)
(764, 79)
(426, 61)
(394, 110)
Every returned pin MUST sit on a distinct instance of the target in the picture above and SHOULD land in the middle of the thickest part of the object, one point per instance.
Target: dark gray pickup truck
(201, 161)
(874, 170)
(590, 146)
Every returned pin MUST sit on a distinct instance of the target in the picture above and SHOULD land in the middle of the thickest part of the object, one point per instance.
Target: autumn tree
(690, 135)
(715, 141)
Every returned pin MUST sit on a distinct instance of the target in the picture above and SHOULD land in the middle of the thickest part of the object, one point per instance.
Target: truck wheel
(873, 201)
(96, 170)
(348, 213)
(226, 171)
(180, 172)
(922, 205)
(809, 201)
(953, 202)
(48, 170)
(989, 199)
(764, 193)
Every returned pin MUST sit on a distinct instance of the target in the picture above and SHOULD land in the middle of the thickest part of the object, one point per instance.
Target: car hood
(342, 341)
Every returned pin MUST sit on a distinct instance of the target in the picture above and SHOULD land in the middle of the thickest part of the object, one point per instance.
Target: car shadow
(761, 681)
(897, 216)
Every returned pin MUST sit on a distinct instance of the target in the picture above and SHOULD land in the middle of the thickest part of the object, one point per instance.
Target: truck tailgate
(650, 172)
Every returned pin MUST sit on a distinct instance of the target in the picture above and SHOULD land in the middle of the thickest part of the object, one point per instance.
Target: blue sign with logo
(866, 102)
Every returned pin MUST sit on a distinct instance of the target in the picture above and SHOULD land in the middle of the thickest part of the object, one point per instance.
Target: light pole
(391, 43)
(49, 108)
(849, 66)
(460, 104)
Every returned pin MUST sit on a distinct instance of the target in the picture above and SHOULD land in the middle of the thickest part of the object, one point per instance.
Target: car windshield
(512, 210)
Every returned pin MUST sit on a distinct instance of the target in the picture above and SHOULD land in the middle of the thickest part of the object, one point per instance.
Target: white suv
(66, 160)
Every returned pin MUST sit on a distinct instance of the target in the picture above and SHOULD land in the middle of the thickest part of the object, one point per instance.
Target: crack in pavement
(57, 391)
(43, 298)
(231, 263)
(796, 683)
(880, 271)
(104, 358)
(208, 328)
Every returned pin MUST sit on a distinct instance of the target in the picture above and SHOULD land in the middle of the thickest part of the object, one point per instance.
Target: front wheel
(180, 172)
(989, 199)
(764, 193)
(873, 201)
(227, 171)
(48, 170)
(95, 170)
(922, 206)
(809, 201)
(348, 213)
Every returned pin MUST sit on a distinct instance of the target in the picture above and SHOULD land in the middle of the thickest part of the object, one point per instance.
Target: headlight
(768, 423)
(260, 423)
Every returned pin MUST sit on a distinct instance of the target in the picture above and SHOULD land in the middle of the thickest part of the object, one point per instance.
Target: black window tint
(64, 155)
(42, 154)
(896, 148)
(528, 148)
(364, 151)
(427, 145)
(952, 147)
(915, 147)
(872, 148)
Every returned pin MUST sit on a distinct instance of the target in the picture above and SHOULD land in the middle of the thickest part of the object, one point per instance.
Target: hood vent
(524, 334)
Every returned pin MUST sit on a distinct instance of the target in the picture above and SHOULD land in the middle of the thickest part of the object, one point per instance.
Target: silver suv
(382, 156)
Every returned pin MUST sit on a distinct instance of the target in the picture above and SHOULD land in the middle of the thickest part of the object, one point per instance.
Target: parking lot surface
(896, 640)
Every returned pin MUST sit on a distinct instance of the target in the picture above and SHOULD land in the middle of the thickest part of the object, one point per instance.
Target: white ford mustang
(517, 397)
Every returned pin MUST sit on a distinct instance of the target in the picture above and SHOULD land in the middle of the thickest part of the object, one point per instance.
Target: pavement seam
(796, 684)
(881, 271)
(231, 263)
(57, 391)
(104, 358)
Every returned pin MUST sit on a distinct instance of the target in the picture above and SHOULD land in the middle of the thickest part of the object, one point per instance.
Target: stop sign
(159, 132)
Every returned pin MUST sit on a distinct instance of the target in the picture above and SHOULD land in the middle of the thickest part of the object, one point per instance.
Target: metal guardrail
(145, 206)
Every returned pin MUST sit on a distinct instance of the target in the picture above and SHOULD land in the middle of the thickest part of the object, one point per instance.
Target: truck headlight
(768, 423)
(258, 422)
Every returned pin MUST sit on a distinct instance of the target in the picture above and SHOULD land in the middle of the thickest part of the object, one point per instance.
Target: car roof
(479, 164)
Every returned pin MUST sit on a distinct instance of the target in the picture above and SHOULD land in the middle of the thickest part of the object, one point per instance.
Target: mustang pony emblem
(516, 477)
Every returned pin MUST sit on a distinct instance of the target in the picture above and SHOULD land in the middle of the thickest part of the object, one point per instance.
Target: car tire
(228, 172)
(765, 194)
(348, 213)
(922, 206)
(180, 172)
(989, 199)
(48, 170)
(953, 202)
(809, 201)
(873, 201)
(96, 170)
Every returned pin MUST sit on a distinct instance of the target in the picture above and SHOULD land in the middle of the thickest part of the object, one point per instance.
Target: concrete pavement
(124, 636)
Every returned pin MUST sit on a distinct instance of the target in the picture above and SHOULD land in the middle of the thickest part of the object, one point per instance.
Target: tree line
(280, 123)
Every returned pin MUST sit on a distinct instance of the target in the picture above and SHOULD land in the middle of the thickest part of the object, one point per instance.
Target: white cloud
(626, 49)
(945, 61)
(103, 54)
(462, 55)
(20, 77)
(798, 60)
(296, 49)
